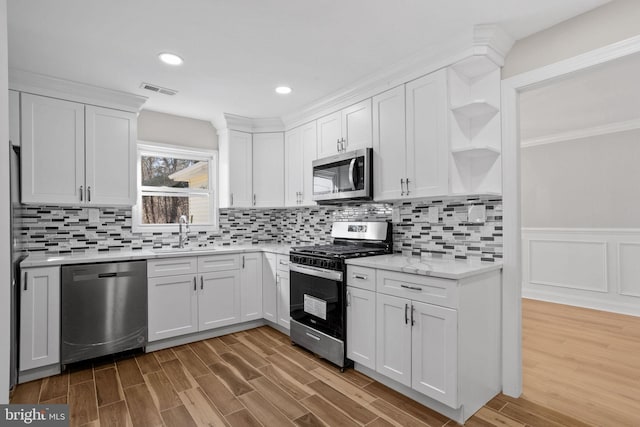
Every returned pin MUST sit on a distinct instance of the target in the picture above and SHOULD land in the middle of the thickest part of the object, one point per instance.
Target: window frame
(148, 148)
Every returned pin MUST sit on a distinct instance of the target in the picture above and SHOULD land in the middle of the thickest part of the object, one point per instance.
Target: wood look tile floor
(251, 378)
(584, 363)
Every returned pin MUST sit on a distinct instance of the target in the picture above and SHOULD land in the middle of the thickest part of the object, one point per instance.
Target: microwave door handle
(352, 168)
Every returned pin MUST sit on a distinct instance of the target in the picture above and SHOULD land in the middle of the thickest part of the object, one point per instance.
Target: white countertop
(446, 269)
(42, 260)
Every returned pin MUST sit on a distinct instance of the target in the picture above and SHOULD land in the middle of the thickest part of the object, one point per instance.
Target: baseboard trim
(579, 301)
(37, 373)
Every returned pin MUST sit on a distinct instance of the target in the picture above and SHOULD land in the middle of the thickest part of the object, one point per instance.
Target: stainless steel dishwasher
(104, 309)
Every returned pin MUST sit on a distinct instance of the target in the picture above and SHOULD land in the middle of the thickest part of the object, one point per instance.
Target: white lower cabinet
(283, 291)
(251, 286)
(192, 294)
(269, 288)
(393, 338)
(361, 336)
(39, 318)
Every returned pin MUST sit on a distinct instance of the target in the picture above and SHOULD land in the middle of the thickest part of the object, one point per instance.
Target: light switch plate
(433, 214)
(477, 213)
(94, 215)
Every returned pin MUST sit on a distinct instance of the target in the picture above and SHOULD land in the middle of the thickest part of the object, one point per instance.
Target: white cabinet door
(172, 306)
(219, 299)
(293, 166)
(361, 335)
(240, 170)
(435, 352)
(389, 144)
(284, 313)
(269, 290)
(52, 150)
(427, 142)
(356, 126)
(309, 154)
(110, 153)
(251, 286)
(39, 318)
(268, 169)
(393, 338)
(14, 117)
(329, 134)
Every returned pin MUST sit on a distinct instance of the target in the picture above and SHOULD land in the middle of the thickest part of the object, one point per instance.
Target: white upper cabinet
(240, 169)
(427, 142)
(75, 154)
(52, 150)
(389, 144)
(345, 130)
(299, 153)
(110, 155)
(268, 169)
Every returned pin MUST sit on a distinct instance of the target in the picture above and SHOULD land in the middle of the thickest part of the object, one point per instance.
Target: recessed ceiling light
(170, 58)
(283, 90)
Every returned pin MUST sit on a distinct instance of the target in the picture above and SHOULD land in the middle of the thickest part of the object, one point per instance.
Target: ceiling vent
(158, 89)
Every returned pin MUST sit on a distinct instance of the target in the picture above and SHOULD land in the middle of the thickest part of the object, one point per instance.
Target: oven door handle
(317, 272)
(352, 167)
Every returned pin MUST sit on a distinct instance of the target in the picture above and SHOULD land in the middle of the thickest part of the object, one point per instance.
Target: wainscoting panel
(594, 268)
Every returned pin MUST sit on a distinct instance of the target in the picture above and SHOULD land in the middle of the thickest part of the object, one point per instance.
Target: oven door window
(346, 175)
(318, 303)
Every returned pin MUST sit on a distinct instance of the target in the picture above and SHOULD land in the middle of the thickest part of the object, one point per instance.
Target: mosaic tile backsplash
(63, 230)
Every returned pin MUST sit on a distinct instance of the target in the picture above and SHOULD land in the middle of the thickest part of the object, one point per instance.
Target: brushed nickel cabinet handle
(254, 200)
(231, 195)
(413, 288)
(88, 194)
(407, 181)
(413, 308)
(348, 298)
(195, 287)
(201, 283)
(360, 276)
(242, 261)
(25, 280)
(402, 186)
(81, 191)
(406, 316)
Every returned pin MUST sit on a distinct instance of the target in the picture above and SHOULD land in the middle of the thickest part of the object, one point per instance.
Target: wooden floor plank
(228, 339)
(360, 395)
(308, 420)
(249, 354)
(263, 344)
(379, 422)
(53, 387)
(27, 393)
(80, 372)
(224, 400)
(242, 418)
(115, 415)
(147, 363)
(343, 402)
(397, 416)
(129, 372)
(142, 410)
(164, 355)
(178, 417)
(264, 411)
(297, 356)
(107, 386)
(218, 346)
(292, 369)
(178, 375)
(327, 412)
(203, 412)
(497, 418)
(83, 407)
(279, 398)
(247, 371)
(296, 389)
(205, 352)
(231, 378)
(192, 362)
(163, 394)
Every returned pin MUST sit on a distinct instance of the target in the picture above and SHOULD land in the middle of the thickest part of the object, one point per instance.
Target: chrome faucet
(182, 231)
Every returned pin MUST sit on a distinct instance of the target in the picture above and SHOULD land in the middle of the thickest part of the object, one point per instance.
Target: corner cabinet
(76, 154)
(39, 318)
(411, 151)
(268, 170)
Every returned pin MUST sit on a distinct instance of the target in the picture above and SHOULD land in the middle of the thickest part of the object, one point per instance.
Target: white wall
(5, 257)
(585, 183)
(176, 130)
(607, 24)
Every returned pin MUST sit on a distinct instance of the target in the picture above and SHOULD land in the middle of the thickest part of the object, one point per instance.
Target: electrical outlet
(477, 213)
(299, 217)
(433, 214)
(395, 214)
(94, 215)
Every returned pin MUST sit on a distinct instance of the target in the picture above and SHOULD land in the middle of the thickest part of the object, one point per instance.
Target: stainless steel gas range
(318, 286)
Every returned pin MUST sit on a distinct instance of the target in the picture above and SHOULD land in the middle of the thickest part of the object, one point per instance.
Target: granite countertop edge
(435, 267)
(40, 260)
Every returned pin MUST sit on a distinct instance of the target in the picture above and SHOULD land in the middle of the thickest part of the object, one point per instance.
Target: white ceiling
(237, 51)
(593, 98)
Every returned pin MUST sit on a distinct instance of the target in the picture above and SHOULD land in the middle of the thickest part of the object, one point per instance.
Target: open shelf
(474, 152)
(476, 108)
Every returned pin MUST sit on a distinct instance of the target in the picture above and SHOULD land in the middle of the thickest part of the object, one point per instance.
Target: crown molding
(582, 133)
(489, 40)
(40, 84)
(249, 125)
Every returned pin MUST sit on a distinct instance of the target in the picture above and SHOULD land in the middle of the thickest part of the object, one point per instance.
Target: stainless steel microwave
(346, 176)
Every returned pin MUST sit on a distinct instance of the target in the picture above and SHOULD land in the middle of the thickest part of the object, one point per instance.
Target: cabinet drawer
(361, 277)
(283, 263)
(431, 290)
(218, 263)
(172, 266)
